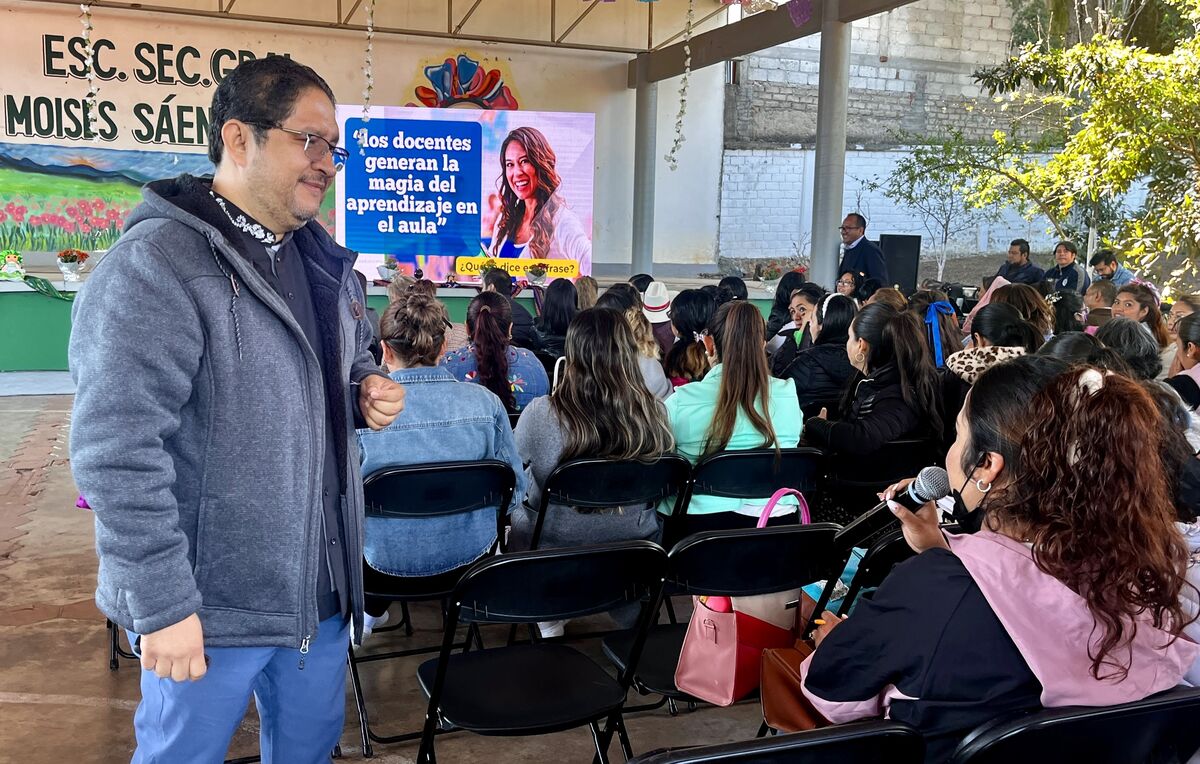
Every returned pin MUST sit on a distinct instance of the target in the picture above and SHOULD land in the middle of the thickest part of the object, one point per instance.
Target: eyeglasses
(316, 148)
(848, 228)
(845, 283)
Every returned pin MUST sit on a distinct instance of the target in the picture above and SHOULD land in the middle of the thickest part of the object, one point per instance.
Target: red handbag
(726, 637)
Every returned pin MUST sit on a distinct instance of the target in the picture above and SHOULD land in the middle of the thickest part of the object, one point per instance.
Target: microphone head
(932, 483)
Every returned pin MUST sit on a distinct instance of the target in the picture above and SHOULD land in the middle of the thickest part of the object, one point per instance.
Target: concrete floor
(59, 702)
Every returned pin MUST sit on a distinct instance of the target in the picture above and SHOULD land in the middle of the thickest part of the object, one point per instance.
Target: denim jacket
(443, 421)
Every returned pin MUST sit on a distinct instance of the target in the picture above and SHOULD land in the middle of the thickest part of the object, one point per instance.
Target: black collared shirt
(281, 267)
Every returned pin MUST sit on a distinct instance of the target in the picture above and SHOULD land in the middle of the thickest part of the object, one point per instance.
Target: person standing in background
(859, 255)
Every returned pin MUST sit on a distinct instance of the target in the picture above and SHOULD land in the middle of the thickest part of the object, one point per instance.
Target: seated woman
(850, 284)
(514, 374)
(1030, 303)
(941, 324)
(893, 395)
(624, 299)
(691, 310)
(1043, 606)
(795, 335)
(1187, 357)
(1138, 302)
(600, 409)
(820, 372)
(443, 420)
(781, 306)
(558, 309)
(1135, 345)
(737, 406)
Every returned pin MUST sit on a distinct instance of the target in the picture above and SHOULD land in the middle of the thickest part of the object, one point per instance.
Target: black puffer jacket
(878, 414)
(550, 344)
(820, 374)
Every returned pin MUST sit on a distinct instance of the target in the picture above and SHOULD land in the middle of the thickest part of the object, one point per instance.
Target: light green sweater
(691, 410)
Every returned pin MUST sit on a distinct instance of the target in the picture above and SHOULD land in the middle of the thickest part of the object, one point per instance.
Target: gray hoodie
(198, 427)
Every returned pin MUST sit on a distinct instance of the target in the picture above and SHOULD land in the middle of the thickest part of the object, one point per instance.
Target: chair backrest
(742, 563)
(854, 743)
(889, 551)
(513, 419)
(1158, 729)
(759, 472)
(894, 461)
(439, 488)
(591, 483)
(551, 584)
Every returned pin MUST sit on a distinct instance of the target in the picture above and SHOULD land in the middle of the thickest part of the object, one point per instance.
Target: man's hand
(176, 652)
(380, 400)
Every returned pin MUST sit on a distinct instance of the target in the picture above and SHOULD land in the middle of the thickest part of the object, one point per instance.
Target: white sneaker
(370, 623)
(551, 629)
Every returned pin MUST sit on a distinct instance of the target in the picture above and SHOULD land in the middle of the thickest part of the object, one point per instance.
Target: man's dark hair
(1020, 244)
(859, 220)
(1106, 289)
(263, 90)
(642, 281)
(500, 280)
(1103, 257)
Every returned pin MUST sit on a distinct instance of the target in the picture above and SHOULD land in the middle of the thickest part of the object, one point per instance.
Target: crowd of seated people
(1012, 396)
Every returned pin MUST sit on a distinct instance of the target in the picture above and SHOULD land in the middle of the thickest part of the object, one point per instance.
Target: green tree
(1122, 116)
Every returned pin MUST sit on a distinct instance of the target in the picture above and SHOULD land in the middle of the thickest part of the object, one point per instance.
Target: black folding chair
(1156, 730)
(855, 481)
(426, 491)
(598, 483)
(886, 553)
(752, 474)
(115, 651)
(731, 563)
(855, 743)
(545, 687)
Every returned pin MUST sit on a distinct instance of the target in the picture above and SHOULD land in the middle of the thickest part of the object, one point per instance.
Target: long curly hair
(1097, 510)
(512, 208)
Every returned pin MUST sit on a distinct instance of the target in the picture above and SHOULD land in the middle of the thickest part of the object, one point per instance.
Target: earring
(860, 357)
(980, 486)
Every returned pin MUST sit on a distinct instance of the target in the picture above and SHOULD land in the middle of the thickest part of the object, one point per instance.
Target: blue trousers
(301, 710)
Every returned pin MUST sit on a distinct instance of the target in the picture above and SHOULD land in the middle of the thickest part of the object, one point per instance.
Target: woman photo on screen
(534, 220)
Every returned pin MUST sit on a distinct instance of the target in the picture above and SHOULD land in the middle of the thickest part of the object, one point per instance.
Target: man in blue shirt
(859, 255)
(1019, 269)
(1107, 267)
(1067, 275)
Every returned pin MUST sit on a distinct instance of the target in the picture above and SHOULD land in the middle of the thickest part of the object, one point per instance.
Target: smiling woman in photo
(534, 220)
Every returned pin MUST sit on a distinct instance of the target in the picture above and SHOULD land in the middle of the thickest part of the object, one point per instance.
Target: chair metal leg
(426, 754)
(364, 725)
(337, 751)
(601, 747)
(670, 610)
(763, 730)
(672, 709)
(407, 619)
(113, 663)
(623, 737)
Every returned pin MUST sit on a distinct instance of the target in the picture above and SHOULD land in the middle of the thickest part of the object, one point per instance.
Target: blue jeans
(301, 710)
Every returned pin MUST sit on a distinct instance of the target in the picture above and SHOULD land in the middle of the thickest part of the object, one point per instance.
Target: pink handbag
(725, 639)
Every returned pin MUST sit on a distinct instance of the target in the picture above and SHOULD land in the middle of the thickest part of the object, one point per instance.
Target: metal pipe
(830, 156)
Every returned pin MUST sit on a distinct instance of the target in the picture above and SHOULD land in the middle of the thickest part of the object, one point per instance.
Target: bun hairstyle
(897, 338)
(738, 332)
(1126, 565)
(691, 311)
(489, 320)
(1153, 320)
(1029, 302)
(414, 328)
(1003, 325)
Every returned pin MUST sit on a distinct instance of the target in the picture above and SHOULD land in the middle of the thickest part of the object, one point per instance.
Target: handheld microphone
(931, 484)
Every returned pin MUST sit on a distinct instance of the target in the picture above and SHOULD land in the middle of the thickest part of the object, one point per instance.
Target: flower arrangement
(537, 270)
(488, 265)
(390, 262)
(772, 270)
(73, 256)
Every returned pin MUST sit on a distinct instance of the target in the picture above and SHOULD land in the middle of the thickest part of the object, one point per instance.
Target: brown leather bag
(784, 706)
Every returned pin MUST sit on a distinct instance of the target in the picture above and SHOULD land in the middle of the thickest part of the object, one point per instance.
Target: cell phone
(866, 526)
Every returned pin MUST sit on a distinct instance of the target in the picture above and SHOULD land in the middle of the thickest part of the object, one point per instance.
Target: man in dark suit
(861, 256)
(523, 336)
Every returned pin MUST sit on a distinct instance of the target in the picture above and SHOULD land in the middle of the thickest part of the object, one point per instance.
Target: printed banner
(443, 190)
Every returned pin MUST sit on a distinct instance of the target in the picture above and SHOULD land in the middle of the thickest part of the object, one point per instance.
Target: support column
(644, 150)
(830, 156)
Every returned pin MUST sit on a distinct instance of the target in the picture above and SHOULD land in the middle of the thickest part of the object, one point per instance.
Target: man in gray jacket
(220, 354)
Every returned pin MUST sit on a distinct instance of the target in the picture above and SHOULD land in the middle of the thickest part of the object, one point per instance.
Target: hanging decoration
(755, 6)
(91, 104)
(368, 69)
(801, 11)
(672, 156)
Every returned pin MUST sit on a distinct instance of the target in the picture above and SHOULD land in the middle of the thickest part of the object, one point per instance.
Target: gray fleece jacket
(198, 427)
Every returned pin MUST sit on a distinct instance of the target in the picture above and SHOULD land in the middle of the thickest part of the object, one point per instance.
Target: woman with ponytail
(515, 375)
(1066, 584)
(894, 393)
(687, 361)
(443, 420)
(941, 324)
(738, 405)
